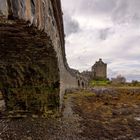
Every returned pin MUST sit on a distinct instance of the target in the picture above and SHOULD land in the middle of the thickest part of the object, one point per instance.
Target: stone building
(87, 74)
(99, 70)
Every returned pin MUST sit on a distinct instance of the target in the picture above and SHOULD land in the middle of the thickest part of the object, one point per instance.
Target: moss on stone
(29, 74)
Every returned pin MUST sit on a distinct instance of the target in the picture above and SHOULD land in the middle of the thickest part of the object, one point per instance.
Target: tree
(135, 82)
(119, 80)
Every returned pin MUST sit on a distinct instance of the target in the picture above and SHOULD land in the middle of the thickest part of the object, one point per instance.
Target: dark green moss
(29, 74)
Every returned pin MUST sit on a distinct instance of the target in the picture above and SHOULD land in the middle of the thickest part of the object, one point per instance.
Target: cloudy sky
(107, 29)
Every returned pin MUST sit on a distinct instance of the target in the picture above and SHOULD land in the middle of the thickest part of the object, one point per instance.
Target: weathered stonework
(2, 102)
(34, 73)
(81, 79)
(99, 70)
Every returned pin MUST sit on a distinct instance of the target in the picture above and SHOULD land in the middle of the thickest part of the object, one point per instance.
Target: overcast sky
(107, 29)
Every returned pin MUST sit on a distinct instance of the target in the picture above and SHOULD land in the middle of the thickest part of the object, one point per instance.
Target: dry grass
(109, 116)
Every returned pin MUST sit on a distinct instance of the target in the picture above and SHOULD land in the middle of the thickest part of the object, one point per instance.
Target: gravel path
(64, 128)
(96, 114)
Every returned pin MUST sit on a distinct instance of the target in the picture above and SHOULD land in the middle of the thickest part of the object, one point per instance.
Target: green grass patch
(34, 99)
(100, 83)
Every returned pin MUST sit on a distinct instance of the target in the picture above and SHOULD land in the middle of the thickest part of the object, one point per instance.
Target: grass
(110, 115)
(100, 83)
(38, 100)
(107, 83)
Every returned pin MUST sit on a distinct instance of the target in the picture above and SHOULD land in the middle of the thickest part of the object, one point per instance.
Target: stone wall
(2, 102)
(29, 70)
(32, 54)
(99, 70)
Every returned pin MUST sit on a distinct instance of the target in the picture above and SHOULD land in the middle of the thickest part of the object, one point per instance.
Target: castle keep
(99, 70)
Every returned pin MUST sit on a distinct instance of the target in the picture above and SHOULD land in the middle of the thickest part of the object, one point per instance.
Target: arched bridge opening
(82, 83)
(79, 83)
(29, 73)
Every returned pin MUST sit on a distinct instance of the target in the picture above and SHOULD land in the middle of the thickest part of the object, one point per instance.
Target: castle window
(83, 85)
(78, 83)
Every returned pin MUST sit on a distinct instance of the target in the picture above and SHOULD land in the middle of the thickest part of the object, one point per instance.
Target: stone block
(1, 96)
(2, 105)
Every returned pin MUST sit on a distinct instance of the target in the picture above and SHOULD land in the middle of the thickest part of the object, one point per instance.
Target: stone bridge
(34, 73)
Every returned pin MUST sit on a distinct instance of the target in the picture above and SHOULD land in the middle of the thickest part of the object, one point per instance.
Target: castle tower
(99, 70)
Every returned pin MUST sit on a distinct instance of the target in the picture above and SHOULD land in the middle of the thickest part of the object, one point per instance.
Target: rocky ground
(109, 114)
(66, 127)
(97, 114)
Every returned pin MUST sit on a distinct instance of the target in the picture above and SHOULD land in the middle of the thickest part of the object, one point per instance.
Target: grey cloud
(118, 40)
(121, 11)
(71, 25)
(89, 7)
(101, 6)
(131, 77)
(126, 11)
(105, 33)
(97, 6)
(128, 46)
(136, 18)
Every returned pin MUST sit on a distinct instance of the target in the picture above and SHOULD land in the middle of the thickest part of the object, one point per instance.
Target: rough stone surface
(99, 70)
(2, 105)
(2, 102)
(28, 67)
(108, 114)
(32, 53)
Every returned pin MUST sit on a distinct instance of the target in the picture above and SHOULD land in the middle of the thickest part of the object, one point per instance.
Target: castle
(98, 71)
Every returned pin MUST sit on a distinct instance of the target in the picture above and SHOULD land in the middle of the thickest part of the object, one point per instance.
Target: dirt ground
(109, 114)
(96, 114)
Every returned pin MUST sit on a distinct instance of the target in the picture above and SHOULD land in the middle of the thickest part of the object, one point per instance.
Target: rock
(137, 118)
(1, 95)
(2, 105)
(34, 116)
(2, 102)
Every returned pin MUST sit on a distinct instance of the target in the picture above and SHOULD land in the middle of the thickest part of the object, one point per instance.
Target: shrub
(118, 80)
